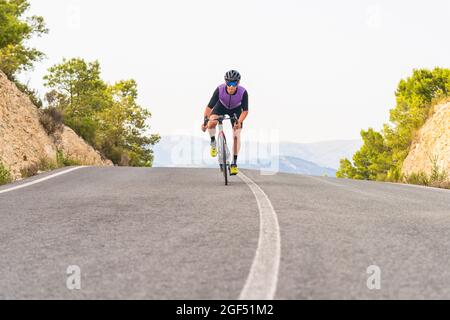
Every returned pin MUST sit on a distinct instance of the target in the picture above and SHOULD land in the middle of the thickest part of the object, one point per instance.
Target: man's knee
(212, 122)
(237, 133)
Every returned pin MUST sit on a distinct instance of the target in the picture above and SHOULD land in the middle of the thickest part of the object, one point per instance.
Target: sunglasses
(232, 83)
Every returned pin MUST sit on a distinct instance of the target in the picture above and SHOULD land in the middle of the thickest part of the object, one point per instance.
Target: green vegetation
(46, 164)
(106, 116)
(33, 169)
(15, 30)
(51, 119)
(382, 154)
(63, 161)
(29, 170)
(5, 175)
(438, 177)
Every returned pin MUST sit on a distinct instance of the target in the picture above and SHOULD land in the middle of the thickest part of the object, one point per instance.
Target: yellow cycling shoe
(213, 150)
(234, 170)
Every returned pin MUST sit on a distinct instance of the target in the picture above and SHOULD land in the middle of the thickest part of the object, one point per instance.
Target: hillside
(25, 144)
(413, 147)
(431, 147)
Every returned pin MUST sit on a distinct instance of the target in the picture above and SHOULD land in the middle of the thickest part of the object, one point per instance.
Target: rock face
(23, 140)
(432, 142)
(77, 149)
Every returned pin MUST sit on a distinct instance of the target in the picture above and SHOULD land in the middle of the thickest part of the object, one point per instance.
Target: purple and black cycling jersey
(231, 101)
(221, 99)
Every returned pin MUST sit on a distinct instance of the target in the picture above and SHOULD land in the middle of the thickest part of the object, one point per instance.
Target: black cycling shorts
(220, 110)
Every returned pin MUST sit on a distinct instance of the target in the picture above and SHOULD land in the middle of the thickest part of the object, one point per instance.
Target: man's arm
(208, 112)
(209, 108)
(212, 103)
(244, 105)
(214, 99)
(243, 116)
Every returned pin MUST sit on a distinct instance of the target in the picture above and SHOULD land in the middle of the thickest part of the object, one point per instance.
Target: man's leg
(236, 148)
(237, 144)
(212, 124)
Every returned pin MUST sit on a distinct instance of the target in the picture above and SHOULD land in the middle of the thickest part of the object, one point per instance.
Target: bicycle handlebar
(222, 118)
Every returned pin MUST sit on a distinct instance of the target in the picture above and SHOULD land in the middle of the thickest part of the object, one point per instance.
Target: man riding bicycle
(229, 98)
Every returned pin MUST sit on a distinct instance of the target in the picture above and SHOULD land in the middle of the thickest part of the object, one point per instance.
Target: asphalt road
(161, 233)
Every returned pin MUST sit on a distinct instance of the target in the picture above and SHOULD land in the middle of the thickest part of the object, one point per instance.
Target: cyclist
(228, 99)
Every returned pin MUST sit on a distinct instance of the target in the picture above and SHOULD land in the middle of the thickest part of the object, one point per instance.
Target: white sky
(315, 70)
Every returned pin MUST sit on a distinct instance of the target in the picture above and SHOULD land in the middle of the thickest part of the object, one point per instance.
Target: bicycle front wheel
(224, 160)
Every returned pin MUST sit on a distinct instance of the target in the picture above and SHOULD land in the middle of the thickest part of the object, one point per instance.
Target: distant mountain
(326, 153)
(294, 165)
(314, 158)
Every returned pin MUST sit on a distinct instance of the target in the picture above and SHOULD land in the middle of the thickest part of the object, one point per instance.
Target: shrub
(63, 161)
(438, 175)
(51, 119)
(438, 178)
(29, 170)
(46, 164)
(419, 178)
(5, 175)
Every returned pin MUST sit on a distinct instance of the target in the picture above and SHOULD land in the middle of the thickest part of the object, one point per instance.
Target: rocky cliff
(24, 141)
(432, 144)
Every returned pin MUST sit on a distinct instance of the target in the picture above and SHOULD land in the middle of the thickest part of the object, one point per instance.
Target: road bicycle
(223, 151)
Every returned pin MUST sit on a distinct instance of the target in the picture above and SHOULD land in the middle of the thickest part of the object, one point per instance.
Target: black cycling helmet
(232, 75)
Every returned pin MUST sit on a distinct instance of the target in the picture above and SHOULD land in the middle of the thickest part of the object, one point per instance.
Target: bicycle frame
(222, 139)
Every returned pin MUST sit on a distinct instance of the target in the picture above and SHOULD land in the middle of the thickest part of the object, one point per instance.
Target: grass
(63, 161)
(46, 164)
(5, 175)
(438, 178)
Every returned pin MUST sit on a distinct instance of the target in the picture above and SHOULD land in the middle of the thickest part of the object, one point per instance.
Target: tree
(15, 31)
(106, 116)
(346, 169)
(414, 97)
(371, 162)
(79, 84)
(124, 129)
(79, 93)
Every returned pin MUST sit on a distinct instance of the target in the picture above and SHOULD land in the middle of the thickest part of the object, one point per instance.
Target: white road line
(262, 281)
(39, 180)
